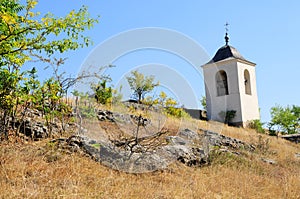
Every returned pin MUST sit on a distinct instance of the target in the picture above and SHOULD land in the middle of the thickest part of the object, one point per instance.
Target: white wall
(250, 107)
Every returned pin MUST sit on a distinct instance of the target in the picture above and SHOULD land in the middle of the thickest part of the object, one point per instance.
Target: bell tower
(230, 85)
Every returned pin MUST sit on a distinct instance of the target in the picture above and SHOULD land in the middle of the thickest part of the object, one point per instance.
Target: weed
(257, 125)
(96, 145)
(263, 145)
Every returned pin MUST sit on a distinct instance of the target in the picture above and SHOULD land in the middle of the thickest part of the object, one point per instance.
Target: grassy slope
(38, 170)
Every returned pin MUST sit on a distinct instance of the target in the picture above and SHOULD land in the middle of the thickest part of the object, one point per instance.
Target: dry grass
(39, 170)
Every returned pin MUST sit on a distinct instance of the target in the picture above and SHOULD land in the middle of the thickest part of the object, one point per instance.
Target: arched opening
(247, 82)
(222, 84)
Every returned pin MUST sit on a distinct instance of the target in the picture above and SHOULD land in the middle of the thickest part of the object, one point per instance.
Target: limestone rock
(216, 139)
(104, 115)
(187, 147)
(293, 138)
(34, 129)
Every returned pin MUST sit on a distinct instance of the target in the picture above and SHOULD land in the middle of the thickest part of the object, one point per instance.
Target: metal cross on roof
(226, 27)
(226, 35)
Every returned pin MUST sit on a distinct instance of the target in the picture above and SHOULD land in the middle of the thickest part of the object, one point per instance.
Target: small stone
(175, 140)
(92, 142)
(269, 161)
(236, 153)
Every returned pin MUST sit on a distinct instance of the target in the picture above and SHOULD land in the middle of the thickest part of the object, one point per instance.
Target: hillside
(40, 169)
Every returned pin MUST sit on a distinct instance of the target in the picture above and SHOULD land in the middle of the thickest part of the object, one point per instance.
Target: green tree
(24, 36)
(141, 84)
(8, 96)
(285, 119)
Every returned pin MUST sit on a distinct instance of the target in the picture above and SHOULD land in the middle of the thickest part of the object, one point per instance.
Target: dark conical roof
(225, 52)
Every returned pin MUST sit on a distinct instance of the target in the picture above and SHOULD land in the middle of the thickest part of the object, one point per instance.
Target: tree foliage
(141, 84)
(25, 35)
(203, 102)
(171, 106)
(285, 119)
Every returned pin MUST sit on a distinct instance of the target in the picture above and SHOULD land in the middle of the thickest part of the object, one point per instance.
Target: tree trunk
(139, 98)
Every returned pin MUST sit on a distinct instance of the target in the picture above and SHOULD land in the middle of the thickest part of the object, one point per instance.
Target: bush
(176, 112)
(87, 111)
(257, 125)
(103, 94)
(227, 116)
(171, 106)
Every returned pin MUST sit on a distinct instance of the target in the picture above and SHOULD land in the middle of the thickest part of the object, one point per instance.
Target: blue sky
(264, 32)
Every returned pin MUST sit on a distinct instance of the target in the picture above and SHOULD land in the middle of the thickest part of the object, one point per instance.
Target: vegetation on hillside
(27, 36)
(285, 119)
(141, 85)
(40, 170)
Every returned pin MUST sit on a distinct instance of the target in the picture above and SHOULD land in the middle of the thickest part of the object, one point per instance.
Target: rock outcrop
(104, 115)
(35, 129)
(188, 147)
(293, 138)
(219, 140)
(137, 155)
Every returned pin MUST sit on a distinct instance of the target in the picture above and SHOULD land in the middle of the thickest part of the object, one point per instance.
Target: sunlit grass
(40, 170)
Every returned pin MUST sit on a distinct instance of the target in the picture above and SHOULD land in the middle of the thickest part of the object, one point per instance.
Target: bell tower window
(247, 82)
(221, 83)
